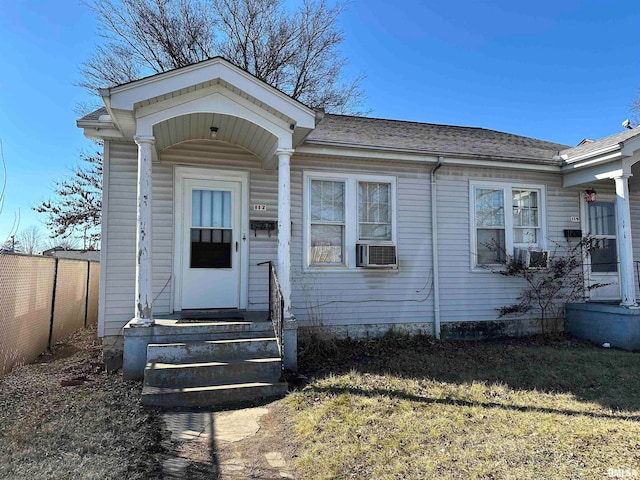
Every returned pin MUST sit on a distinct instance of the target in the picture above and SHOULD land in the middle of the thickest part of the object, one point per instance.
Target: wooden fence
(43, 300)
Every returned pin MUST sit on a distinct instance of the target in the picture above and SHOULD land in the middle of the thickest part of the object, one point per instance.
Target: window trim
(351, 224)
(507, 192)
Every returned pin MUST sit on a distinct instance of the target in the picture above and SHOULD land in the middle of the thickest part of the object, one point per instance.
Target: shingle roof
(424, 137)
(591, 147)
(95, 115)
(431, 138)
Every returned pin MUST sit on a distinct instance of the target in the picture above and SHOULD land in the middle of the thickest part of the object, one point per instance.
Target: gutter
(434, 251)
(315, 146)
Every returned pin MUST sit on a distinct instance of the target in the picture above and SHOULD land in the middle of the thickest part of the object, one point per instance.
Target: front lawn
(413, 408)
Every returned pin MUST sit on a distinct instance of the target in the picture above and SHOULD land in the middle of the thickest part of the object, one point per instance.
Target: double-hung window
(505, 217)
(327, 222)
(344, 210)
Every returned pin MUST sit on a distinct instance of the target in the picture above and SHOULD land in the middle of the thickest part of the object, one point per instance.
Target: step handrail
(276, 305)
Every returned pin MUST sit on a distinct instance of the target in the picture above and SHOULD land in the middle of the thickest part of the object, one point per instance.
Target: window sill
(496, 268)
(351, 270)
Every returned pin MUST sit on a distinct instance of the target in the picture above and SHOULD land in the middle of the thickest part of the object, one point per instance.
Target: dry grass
(96, 429)
(411, 408)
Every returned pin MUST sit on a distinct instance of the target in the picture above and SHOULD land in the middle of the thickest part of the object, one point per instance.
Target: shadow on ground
(562, 365)
(223, 444)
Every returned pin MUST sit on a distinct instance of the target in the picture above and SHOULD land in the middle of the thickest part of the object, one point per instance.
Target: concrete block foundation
(604, 323)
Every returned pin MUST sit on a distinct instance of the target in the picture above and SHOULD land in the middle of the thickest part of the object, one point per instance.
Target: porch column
(144, 299)
(290, 325)
(627, 285)
(284, 227)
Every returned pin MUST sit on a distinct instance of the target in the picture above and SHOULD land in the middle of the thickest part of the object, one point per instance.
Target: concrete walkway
(226, 445)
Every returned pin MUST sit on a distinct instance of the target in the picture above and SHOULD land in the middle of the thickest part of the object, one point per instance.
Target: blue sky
(556, 70)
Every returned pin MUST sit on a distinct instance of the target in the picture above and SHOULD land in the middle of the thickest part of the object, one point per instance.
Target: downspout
(434, 251)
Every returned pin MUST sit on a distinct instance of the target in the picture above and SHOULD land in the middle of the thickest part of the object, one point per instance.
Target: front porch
(204, 358)
(604, 323)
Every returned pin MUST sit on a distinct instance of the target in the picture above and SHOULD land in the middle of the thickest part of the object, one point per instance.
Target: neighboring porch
(612, 314)
(604, 323)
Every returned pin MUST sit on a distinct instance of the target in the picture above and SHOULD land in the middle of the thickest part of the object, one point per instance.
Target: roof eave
(603, 151)
(432, 153)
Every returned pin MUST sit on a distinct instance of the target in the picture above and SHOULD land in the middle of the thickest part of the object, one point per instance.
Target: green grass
(412, 408)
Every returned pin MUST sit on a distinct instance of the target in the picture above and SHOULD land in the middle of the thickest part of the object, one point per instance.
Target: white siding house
(336, 188)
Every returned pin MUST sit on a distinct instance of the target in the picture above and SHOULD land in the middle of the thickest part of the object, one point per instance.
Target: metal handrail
(276, 305)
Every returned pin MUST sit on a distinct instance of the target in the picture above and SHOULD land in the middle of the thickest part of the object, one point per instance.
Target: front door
(602, 258)
(210, 244)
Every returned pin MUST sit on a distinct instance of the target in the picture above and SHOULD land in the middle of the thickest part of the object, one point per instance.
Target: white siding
(474, 294)
(344, 298)
(335, 298)
(120, 276)
(634, 193)
(120, 250)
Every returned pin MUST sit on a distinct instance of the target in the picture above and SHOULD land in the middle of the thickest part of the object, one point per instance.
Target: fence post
(86, 294)
(53, 300)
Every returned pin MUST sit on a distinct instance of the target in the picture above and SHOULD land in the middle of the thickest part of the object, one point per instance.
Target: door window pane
(211, 235)
(210, 248)
(374, 211)
(604, 256)
(211, 208)
(602, 218)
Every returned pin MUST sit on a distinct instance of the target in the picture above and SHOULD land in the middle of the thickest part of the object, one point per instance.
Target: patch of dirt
(63, 417)
(265, 450)
(268, 454)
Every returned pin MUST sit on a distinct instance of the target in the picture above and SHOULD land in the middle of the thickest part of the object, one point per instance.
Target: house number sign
(259, 207)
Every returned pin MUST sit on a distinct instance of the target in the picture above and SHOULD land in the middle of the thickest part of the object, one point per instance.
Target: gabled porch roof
(602, 159)
(186, 103)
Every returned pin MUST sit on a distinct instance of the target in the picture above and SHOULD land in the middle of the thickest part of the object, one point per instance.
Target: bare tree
(30, 240)
(294, 51)
(11, 245)
(77, 209)
(147, 36)
(635, 109)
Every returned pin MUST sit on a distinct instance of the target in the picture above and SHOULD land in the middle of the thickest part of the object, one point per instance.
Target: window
(327, 222)
(374, 211)
(602, 228)
(344, 210)
(210, 229)
(499, 228)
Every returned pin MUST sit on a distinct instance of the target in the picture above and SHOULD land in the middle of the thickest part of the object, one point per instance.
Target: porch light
(214, 133)
(590, 195)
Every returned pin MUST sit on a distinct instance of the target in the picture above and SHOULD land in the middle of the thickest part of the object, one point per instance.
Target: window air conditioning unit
(534, 259)
(376, 256)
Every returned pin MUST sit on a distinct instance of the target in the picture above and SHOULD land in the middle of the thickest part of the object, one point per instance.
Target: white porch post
(144, 299)
(627, 286)
(290, 327)
(284, 227)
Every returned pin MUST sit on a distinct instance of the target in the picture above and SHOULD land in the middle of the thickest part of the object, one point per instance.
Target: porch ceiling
(231, 129)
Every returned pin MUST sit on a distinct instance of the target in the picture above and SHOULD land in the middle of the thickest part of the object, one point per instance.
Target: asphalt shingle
(602, 144)
(95, 115)
(431, 138)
